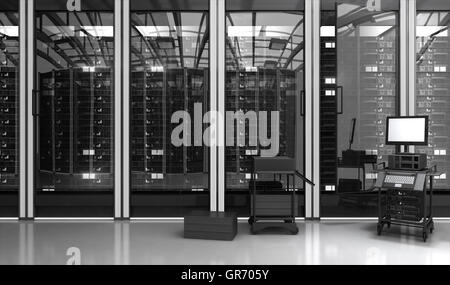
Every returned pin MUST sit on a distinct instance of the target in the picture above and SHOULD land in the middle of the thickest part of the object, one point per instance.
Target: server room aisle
(146, 242)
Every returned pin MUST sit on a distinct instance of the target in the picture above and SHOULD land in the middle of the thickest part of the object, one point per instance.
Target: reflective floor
(150, 242)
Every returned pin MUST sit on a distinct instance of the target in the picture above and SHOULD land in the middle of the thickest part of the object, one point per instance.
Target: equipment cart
(402, 199)
(277, 208)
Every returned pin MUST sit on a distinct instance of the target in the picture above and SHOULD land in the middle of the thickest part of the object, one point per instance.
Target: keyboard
(399, 179)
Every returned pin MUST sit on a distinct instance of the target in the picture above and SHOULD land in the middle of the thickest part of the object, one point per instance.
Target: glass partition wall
(264, 48)
(74, 57)
(9, 108)
(169, 95)
(432, 91)
(358, 85)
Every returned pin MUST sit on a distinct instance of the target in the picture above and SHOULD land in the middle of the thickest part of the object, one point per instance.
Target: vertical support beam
(22, 108)
(407, 59)
(117, 109)
(213, 103)
(404, 67)
(411, 60)
(312, 102)
(412, 57)
(308, 106)
(126, 109)
(30, 152)
(221, 105)
(316, 106)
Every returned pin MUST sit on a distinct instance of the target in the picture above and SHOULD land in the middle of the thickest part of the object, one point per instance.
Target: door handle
(302, 103)
(340, 94)
(35, 103)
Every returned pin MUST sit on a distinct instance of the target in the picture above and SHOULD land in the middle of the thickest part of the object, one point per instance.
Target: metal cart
(278, 216)
(407, 206)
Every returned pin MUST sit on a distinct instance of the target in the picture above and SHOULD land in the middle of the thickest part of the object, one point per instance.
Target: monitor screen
(407, 130)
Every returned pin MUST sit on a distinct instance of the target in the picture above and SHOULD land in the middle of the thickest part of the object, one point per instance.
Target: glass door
(264, 87)
(73, 98)
(169, 96)
(9, 108)
(432, 92)
(358, 90)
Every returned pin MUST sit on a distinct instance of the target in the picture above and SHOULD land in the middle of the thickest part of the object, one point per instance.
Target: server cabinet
(358, 80)
(9, 109)
(432, 90)
(73, 110)
(169, 96)
(264, 79)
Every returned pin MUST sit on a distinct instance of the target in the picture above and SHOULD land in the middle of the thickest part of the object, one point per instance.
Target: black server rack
(75, 165)
(9, 148)
(432, 100)
(373, 86)
(257, 89)
(167, 179)
(378, 93)
(328, 105)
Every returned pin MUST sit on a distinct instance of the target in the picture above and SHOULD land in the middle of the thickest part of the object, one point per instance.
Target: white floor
(144, 242)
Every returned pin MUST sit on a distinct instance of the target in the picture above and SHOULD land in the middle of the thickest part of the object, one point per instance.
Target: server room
(201, 131)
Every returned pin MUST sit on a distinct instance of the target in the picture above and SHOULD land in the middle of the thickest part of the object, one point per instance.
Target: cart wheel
(388, 225)
(379, 229)
(250, 220)
(424, 236)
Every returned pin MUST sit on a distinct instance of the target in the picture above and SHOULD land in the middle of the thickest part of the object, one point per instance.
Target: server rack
(432, 100)
(167, 179)
(75, 166)
(257, 89)
(329, 105)
(9, 148)
(9, 109)
(376, 98)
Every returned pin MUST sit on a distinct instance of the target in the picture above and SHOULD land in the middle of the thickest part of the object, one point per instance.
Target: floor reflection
(144, 242)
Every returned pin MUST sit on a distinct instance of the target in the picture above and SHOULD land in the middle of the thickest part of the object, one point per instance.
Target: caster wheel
(250, 220)
(424, 236)
(379, 229)
(389, 225)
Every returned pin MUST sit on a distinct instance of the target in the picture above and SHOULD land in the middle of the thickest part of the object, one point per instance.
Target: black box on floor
(210, 225)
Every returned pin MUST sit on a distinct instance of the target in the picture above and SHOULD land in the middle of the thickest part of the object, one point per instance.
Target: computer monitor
(407, 130)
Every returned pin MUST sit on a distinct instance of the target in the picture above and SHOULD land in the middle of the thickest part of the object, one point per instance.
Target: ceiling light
(10, 31)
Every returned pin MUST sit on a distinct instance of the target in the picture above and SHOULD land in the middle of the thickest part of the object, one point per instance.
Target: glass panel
(432, 91)
(9, 108)
(359, 75)
(75, 124)
(169, 93)
(264, 77)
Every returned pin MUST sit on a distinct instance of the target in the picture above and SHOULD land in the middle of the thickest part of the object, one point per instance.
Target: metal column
(30, 149)
(221, 105)
(22, 108)
(117, 109)
(312, 101)
(213, 103)
(126, 109)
